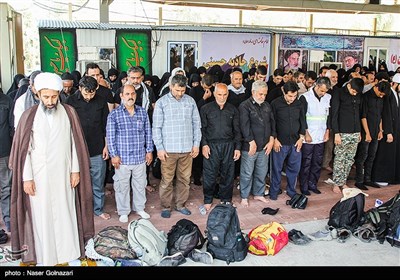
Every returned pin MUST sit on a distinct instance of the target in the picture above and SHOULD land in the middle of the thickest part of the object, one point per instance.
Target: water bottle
(378, 202)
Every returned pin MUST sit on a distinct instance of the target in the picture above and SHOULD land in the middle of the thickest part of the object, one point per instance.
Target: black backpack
(183, 237)
(348, 214)
(225, 238)
(379, 216)
(393, 225)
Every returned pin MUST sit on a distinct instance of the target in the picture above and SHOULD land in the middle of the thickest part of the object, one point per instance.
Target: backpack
(225, 238)
(183, 237)
(379, 216)
(348, 213)
(267, 239)
(393, 225)
(112, 242)
(149, 243)
(298, 201)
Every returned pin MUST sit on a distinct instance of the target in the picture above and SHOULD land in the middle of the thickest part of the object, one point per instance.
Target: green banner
(133, 49)
(58, 51)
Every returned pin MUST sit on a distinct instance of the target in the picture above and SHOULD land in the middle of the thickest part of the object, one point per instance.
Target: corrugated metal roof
(212, 29)
(56, 24)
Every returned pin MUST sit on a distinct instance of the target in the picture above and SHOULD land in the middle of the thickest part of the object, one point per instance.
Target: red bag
(268, 239)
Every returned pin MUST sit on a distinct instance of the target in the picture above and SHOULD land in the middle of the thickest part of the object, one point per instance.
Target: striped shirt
(176, 124)
(129, 137)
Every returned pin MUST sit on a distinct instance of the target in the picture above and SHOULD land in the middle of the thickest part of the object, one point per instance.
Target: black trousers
(220, 162)
(311, 161)
(364, 160)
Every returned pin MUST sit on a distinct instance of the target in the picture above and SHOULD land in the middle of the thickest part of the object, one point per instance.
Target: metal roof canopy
(310, 6)
(56, 24)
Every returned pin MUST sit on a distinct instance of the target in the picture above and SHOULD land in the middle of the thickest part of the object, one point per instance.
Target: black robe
(386, 166)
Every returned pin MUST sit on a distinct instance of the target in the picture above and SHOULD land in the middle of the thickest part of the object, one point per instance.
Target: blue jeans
(97, 174)
(253, 170)
(292, 170)
(5, 188)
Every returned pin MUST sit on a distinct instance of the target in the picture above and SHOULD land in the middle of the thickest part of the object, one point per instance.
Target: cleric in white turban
(52, 200)
(48, 81)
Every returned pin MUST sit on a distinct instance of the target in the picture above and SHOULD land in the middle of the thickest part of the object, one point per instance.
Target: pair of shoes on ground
(197, 255)
(307, 192)
(321, 235)
(167, 213)
(366, 233)
(298, 238)
(173, 260)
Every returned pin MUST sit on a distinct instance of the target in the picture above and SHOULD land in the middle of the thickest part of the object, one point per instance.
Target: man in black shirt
(346, 127)
(290, 131)
(68, 86)
(6, 129)
(221, 145)
(93, 70)
(257, 125)
(92, 110)
(371, 133)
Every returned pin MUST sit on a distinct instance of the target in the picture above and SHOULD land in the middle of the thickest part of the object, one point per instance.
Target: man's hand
(338, 139)
(326, 135)
(389, 138)
(116, 162)
(206, 151)
(253, 148)
(368, 138)
(277, 145)
(75, 178)
(268, 147)
(105, 153)
(29, 187)
(299, 144)
(149, 158)
(162, 155)
(195, 152)
(236, 155)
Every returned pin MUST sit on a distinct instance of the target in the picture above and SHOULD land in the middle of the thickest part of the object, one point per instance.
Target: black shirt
(236, 99)
(257, 123)
(6, 125)
(106, 93)
(93, 117)
(371, 109)
(290, 120)
(345, 111)
(220, 126)
(273, 94)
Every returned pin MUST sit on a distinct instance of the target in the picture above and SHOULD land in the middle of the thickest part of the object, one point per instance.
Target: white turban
(48, 81)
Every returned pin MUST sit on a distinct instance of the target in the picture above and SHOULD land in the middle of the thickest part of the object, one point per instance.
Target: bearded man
(51, 201)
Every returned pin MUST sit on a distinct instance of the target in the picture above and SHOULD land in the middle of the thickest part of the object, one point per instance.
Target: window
(376, 56)
(182, 54)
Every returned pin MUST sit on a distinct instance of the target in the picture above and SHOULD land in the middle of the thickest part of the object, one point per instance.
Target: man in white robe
(50, 175)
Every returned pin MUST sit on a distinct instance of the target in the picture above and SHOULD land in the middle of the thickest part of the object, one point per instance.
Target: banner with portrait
(229, 50)
(345, 49)
(293, 59)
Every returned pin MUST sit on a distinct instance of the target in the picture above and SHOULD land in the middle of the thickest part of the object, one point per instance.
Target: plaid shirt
(176, 124)
(129, 137)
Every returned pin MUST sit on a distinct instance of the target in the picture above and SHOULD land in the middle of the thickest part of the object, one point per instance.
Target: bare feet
(105, 216)
(261, 198)
(207, 206)
(150, 189)
(244, 202)
(336, 189)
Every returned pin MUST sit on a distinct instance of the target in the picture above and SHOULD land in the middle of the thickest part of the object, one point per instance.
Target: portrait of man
(349, 58)
(293, 60)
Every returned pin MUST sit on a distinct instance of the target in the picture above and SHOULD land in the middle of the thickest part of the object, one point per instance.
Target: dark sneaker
(174, 260)
(166, 213)
(306, 192)
(198, 256)
(316, 191)
(371, 184)
(361, 186)
(184, 211)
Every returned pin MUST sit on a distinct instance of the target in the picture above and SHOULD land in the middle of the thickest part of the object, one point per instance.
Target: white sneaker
(123, 218)
(143, 214)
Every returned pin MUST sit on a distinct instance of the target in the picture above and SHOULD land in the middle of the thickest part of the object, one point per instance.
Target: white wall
(90, 40)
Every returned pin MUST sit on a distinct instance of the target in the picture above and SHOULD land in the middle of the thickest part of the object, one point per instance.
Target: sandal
(365, 233)
(343, 234)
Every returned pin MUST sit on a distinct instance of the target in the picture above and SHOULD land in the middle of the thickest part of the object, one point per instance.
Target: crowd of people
(62, 136)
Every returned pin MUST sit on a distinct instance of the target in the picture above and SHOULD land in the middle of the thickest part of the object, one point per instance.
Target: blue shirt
(129, 137)
(176, 124)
